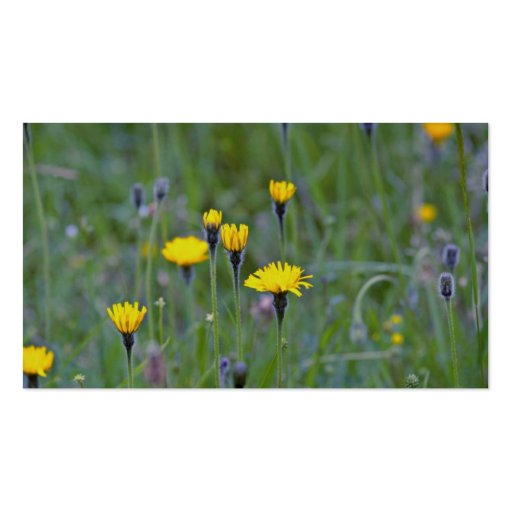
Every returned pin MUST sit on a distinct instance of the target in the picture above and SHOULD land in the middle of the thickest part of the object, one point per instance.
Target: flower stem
(44, 235)
(149, 266)
(474, 276)
(33, 381)
(453, 343)
(282, 235)
(130, 368)
(280, 318)
(138, 260)
(238, 314)
(160, 325)
(213, 282)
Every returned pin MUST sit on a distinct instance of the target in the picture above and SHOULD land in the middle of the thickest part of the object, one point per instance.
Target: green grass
(337, 229)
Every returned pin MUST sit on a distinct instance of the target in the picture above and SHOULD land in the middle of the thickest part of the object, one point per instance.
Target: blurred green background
(336, 230)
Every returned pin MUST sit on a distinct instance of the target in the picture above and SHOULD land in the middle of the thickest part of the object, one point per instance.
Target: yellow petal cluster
(427, 213)
(125, 317)
(212, 219)
(185, 251)
(281, 191)
(278, 278)
(233, 239)
(37, 360)
(438, 132)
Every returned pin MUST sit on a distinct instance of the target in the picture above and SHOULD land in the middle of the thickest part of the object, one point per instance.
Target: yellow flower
(396, 319)
(126, 318)
(277, 279)
(234, 239)
(281, 191)
(438, 132)
(397, 338)
(37, 360)
(185, 251)
(212, 220)
(426, 213)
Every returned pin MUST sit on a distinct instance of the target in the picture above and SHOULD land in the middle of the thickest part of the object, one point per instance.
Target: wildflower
(279, 279)
(209, 318)
(395, 319)
(450, 256)
(185, 252)
(235, 241)
(137, 195)
(79, 379)
(412, 381)
(211, 223)
(160, 189)
(397, 338)
(446, 286)
(160, 303)
(368, 128)
(36, 362)
(127, 319)
(438, 132)
(239, 374)
(281, 192)
(426, 213)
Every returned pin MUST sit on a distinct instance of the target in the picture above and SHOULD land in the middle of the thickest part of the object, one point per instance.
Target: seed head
(161, 189)
(412, 381)
(446, 286)
(450, 256)
(239, 374)
(137, 194)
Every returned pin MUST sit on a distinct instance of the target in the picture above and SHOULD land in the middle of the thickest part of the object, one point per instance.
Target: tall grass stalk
(213, 283)
(44, 233)
(451, 328)
(472, 256)
(149, 268)
(287, 155)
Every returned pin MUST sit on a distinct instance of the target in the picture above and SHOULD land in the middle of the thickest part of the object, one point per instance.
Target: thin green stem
(213, 282)
(453, 343)
(130, 367)
(138, 260)
(160, 325)
(238, 313)
(287, 150)
(149, 268)
(472, 256)
(282, 237)
(44, 235)
(279, 318)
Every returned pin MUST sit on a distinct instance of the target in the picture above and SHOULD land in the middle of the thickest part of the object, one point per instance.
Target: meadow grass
(348, 222)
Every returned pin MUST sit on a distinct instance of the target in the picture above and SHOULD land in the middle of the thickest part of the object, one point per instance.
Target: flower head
(212, 220)
(395, 319)
(37, 360)
(397, 338)
(278, 279)
(426, 213)
(160, 189)
(450, 256)
(126, 318)
(438, 132)
(233, 239)
(281, 191)
(185, 251)
(137, 195)
(446, 286)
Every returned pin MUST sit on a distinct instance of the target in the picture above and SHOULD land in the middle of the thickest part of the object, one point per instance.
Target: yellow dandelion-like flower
(426, 213)
(281, 191)
(233, 239)
(278, 279)
(438, 132)
(37, 360)
(126, 318)
(396, 319)
(397, 338)
(212, 220)
(185, 251)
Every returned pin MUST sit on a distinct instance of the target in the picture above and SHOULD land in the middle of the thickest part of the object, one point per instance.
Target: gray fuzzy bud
(137, 194)
(446, 286)
(239, 374)
(161, 189)
(450, 256)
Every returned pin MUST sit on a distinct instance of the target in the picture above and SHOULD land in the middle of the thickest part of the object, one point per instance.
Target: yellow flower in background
(281, 191)
(233, 239)
(212, 220)
(438, 132)
(426, 213)
(185, 251)
(396, 319)
(37, 360)
(397, 338)
(126, 318)
(278, 279)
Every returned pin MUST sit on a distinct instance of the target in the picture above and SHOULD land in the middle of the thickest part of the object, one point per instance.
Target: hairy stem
(451, 328)
(213, 282)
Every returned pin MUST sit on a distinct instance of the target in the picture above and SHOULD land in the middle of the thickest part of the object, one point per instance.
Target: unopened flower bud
(223, 370)
(161, 189)
(446, 286)
(412, 381)
(450, 256)
(137, 195)
(239, 374)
